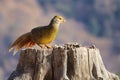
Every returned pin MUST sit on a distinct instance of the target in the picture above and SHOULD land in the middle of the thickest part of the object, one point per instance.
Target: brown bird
(41, 35)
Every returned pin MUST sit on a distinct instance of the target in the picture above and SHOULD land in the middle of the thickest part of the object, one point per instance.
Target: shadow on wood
(67, 62)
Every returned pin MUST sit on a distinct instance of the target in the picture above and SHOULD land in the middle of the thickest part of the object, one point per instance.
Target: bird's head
(56, 20)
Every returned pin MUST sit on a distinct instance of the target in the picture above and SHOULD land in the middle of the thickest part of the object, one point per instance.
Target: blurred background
(88, 22)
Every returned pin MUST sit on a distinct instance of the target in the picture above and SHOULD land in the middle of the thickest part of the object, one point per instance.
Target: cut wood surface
(66, 62)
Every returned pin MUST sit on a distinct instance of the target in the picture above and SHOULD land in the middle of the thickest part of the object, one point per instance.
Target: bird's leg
(48, 46)
(41, 46)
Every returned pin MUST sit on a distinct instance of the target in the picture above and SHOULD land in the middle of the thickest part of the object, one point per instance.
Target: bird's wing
(39, 31)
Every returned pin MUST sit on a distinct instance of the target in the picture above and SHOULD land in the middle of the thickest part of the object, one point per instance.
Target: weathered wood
(67, 62)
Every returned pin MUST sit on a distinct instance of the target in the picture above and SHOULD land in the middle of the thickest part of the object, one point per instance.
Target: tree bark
(67, 62)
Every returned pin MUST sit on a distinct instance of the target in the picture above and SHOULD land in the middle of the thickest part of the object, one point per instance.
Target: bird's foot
(41, 46)
(45, 46)
(48, 46)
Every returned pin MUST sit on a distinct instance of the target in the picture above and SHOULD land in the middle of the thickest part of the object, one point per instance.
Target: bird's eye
(60, 18)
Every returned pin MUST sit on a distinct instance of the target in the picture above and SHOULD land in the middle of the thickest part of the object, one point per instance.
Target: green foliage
(66, 9)
(118, 74)
(88, 12)
(102, 18)
(94, 28)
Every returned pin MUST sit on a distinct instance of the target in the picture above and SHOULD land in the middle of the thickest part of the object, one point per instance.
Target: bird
(41, 35)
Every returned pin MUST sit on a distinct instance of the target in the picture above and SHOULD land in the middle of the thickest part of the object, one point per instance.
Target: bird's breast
(48, 36)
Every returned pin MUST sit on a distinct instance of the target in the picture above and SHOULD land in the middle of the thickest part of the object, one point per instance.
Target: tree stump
(67, 62)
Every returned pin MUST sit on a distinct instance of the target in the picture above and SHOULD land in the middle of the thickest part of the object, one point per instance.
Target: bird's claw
(48, 46)
(45, 46)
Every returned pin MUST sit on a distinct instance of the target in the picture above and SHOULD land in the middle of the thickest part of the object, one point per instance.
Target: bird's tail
(22, 41)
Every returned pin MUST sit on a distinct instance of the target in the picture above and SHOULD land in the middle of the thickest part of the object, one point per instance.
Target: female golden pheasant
(39, 35)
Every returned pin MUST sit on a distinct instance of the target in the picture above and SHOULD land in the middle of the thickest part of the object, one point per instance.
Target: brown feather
(24, 40)
(30, 44)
